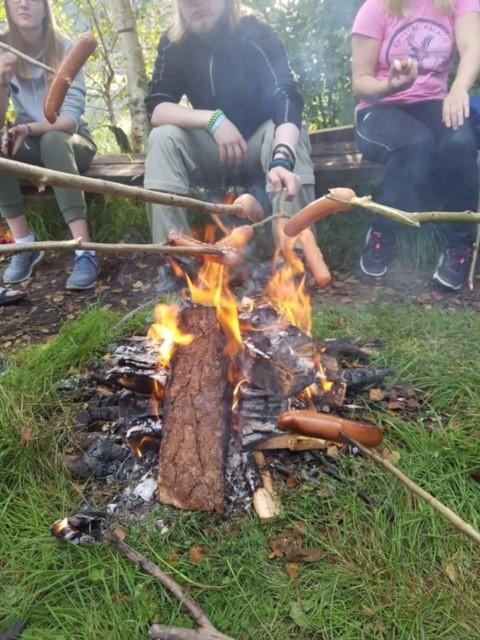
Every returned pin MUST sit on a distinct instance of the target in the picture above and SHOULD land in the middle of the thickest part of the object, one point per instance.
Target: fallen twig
(473, 265)
(445, 511)
(78, 243)
(205, 631)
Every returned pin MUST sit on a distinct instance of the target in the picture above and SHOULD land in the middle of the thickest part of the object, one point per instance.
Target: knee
(56, 142)
(165, 136)
(458, 145)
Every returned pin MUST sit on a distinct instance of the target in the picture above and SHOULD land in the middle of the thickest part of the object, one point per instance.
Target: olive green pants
(54, 150)
(178, 159)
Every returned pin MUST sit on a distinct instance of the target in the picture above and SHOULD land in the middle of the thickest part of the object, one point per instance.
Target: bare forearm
(468, 67)
(287, 133)
(370, 89)
(62, 124)
(175, 114)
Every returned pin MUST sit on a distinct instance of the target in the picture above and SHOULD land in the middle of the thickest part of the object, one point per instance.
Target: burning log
(196, 417)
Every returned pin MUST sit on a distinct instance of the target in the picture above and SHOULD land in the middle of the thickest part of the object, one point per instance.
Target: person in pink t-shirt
(409, 120)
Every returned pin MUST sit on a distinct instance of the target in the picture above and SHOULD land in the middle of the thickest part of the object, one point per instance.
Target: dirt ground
(126, 283)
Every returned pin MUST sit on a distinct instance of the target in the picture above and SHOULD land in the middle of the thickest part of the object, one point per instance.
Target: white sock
(80, 252)
(26, 239)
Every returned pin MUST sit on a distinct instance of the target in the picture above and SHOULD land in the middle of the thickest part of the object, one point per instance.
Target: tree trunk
(196, 418)
(126, 26)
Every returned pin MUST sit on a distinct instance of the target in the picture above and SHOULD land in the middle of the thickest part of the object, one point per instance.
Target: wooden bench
(336, 160)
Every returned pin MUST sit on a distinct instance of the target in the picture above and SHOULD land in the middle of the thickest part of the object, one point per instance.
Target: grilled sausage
(321, 425)
(313, 256)
(238, 238)
(231, 256)
(317, 210)
(65, 75)
(252, 209)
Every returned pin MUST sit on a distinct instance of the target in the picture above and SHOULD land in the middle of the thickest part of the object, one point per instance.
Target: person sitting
(64, 146)
(407, 119)
(245, 116)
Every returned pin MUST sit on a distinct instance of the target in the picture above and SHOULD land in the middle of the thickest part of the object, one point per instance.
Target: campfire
(196, 411)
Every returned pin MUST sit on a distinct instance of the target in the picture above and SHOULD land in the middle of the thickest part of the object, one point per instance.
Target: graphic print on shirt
(427, 42)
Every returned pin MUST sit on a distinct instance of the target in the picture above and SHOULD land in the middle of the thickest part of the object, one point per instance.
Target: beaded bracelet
(217, 123)
(216, 115)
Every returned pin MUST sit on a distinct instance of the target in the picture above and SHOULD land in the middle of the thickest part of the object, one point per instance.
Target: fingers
(5, 144)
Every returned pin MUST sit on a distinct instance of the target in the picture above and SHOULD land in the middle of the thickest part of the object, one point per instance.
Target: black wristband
(280, 162)
(286, 151)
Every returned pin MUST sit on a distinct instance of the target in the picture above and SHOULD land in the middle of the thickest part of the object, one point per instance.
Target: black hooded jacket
(244, 72)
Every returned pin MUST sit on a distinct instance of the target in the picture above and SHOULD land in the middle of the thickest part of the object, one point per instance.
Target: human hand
(456, 107)
(402, 75)
(8, 63)
(231, 144)
(13, 138)
(280, 178)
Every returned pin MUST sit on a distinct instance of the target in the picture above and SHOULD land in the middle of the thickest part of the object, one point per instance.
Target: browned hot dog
(65, 75)
(252, 209)
(321, 425)
(238, 238)
(231, 256)
(317, 210)
(313, 256)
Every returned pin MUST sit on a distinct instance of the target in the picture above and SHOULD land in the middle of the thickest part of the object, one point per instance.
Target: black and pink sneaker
(377, 254)
(452, 268)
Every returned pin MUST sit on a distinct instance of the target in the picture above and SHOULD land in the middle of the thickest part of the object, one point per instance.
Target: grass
(397, 571)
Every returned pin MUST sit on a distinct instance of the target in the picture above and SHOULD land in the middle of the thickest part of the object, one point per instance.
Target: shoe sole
(445, 284)
(34, 263)
(77, 288)
(368, 273)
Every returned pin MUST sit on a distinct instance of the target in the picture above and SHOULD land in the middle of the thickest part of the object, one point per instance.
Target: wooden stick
(447, 513)
(473, 265)
(20, 54)
(413, 219)
(42, 177)
(78, 243)
(265, 501)
(206, 630)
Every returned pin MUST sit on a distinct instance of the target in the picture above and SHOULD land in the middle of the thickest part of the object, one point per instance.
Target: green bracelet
(216, 115)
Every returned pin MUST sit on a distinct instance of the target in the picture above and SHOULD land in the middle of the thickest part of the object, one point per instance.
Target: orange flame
(166, 331)
(58, 527)
(145, 441)
(212, 290)
(287, 288)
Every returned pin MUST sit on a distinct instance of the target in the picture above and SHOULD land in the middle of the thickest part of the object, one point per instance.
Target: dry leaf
(197, 554)
(292, 570)
(333, 451)
(305, 555)
(26, 435)
(120, 533)
(391, 456)
(451, 573)
(376, 395)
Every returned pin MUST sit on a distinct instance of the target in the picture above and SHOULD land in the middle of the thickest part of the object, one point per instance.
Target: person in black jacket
(244, 120)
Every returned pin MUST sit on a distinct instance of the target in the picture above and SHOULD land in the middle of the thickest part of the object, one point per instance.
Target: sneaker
(376, 254)
(85, 272)
(21, 266)
(452, 268)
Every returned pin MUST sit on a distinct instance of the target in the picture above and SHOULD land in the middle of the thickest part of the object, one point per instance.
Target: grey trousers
(178, 159)
(54, 150)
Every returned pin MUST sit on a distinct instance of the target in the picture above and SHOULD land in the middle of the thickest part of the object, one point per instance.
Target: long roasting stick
(447, 513)
(42, 177)
(20, 54)
(413, 219)
(473, 265)
(70, 245)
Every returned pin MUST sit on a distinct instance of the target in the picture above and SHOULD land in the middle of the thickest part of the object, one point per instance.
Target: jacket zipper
(212, 84)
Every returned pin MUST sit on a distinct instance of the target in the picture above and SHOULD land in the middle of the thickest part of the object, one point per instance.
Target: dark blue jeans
(427, 166)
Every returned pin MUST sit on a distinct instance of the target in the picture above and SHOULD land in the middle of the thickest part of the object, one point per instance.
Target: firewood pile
(186, 435)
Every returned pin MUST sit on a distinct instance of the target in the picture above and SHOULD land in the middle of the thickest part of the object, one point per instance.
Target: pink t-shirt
(425, 34)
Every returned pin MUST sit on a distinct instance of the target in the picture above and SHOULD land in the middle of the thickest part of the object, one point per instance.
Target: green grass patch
(397, 571)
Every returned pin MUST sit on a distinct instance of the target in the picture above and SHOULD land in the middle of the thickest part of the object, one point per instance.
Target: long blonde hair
(400, 7)
(53, 51)
(233, 13)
